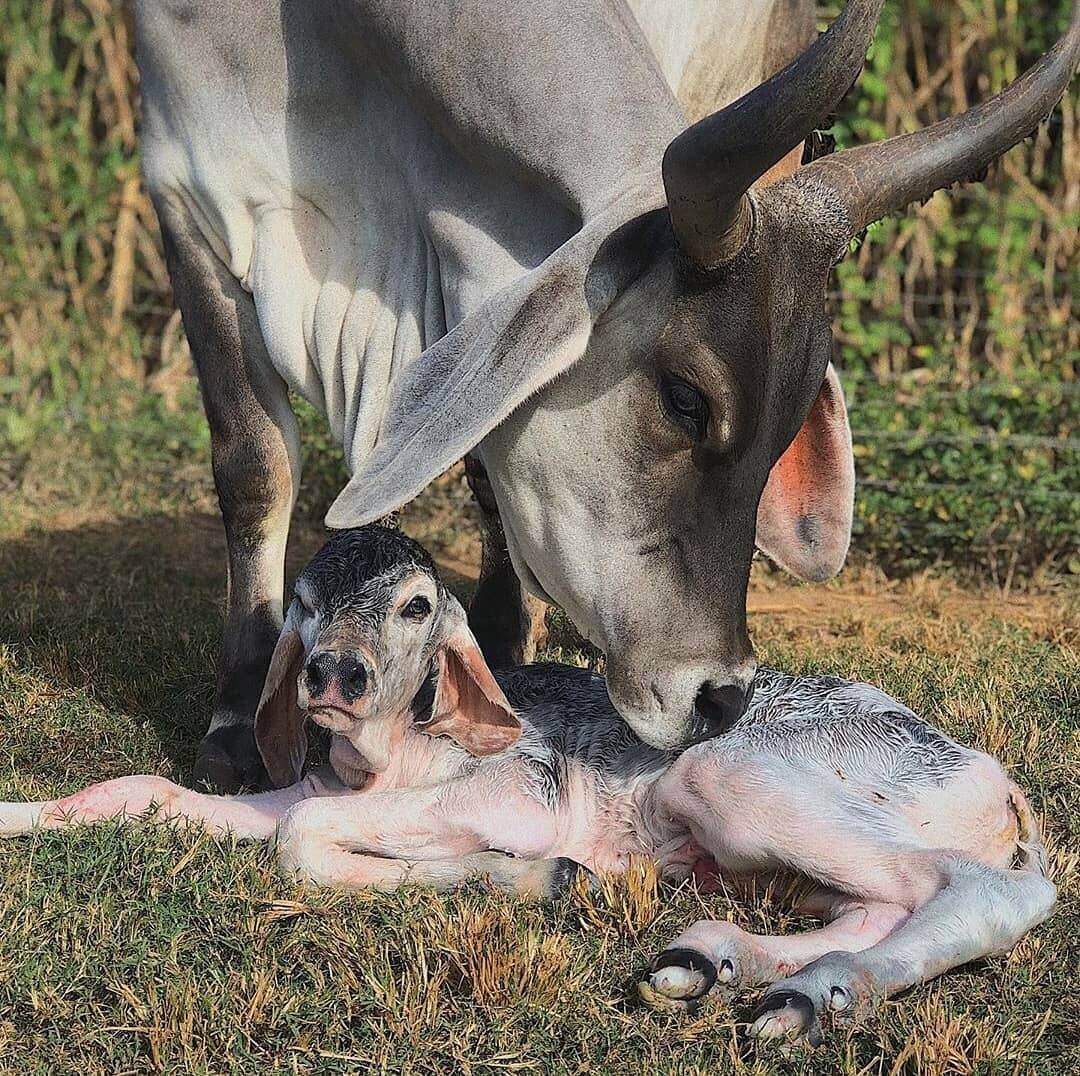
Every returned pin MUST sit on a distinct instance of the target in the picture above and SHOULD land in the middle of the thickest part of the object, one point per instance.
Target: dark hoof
(564, 875)
(228, 760)
(678, 979)
(786, 1014)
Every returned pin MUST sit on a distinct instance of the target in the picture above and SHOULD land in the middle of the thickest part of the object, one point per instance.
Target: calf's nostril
(718, 708)
(318, 672)
(353, 676)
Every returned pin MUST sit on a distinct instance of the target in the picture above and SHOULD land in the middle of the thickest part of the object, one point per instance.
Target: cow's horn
(709, 168)
(873, 181)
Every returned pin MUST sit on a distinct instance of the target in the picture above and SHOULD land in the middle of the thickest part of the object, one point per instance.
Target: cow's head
(657, 396)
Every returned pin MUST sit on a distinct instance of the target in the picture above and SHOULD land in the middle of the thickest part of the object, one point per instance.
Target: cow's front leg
(508, 622)
(255, 451)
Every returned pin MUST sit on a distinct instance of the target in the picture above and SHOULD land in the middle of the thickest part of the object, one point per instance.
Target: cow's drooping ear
(804, 517)
(469, 705)
(453, 395)
(279, 721)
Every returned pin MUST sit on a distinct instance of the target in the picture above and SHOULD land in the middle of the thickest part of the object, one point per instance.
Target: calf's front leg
(254, 816)
(435, 836)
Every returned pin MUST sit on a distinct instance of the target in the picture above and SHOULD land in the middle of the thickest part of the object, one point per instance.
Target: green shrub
(985, 478)
(972, 293)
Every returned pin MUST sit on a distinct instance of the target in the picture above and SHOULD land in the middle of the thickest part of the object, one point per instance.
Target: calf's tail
(1030, 849)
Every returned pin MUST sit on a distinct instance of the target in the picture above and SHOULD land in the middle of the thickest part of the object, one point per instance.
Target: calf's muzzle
(348, 672)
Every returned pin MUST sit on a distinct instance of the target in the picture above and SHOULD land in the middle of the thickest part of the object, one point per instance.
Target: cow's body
(481, 228)
(346, 182)
(373, 172)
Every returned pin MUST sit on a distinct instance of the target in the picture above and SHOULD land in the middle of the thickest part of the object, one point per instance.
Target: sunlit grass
(160, 949)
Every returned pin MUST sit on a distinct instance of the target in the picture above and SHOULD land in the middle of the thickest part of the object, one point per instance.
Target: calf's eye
(417, 608)
(686, 406)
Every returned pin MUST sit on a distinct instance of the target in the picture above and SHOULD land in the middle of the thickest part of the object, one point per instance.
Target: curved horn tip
(876, 180)
(710, 167)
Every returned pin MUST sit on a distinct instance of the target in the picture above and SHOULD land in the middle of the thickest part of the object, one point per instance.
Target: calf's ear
(804, 516)
(469, 705)
(279, 722)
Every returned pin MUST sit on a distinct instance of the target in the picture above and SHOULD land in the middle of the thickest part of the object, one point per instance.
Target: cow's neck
(373, 172)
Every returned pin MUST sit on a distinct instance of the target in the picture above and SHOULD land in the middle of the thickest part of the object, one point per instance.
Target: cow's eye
(417, 608)
(685, 406)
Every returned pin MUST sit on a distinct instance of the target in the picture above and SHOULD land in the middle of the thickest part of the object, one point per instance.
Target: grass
(153, 948)
(150, 948)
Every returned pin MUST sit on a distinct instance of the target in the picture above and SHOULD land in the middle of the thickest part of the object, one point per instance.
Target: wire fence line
(890, 486)
(916, 379)
(931, 298)
(1020, 440)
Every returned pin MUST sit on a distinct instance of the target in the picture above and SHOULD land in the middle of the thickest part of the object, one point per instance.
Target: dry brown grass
(153, 949)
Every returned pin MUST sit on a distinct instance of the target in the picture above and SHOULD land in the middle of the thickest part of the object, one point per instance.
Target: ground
(157, 949)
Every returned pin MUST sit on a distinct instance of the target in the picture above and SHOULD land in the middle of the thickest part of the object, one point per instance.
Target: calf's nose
(348, 672)
(319, 671)
(352, 675)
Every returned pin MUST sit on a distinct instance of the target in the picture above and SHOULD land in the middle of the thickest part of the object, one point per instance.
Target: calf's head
(656, 398)
(373, 643)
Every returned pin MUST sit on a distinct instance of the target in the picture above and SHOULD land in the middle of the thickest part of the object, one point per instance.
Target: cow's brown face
(694, 385)
(656, 396)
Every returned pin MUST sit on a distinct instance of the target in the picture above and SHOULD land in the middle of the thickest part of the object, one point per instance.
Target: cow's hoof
(786, 1014)
(565, 873)
(678, 979)
(228, 760)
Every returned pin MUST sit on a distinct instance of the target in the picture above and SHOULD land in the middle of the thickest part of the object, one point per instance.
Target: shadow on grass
(124, 617)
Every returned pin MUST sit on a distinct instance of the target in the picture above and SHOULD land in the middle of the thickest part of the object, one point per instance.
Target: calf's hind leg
(255, 451)
(737, 959)
(922, 910)
(976, 911)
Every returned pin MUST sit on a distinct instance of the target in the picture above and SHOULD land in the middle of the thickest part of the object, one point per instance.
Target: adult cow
(446, 225)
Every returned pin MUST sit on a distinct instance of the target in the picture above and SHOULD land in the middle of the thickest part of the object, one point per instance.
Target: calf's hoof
(546, 879)
(564, 875)
(786, 1014)
(229, 761)
(678, 979)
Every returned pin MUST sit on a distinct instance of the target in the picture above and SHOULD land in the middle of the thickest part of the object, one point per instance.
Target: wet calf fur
(920, 854)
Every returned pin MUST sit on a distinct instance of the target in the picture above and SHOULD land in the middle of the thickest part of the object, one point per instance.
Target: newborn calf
(438, 769)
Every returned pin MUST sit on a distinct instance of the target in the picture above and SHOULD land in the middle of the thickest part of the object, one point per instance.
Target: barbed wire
(1021, 440)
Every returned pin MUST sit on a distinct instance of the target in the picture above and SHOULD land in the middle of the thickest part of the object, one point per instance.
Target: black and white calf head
(371, 642)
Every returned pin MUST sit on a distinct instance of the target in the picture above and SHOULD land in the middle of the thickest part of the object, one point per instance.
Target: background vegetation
(152, 949)
(956, 324)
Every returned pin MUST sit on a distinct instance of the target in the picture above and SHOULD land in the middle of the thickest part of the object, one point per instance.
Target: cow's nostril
(353, 676)
(718, 708)
(318, 672)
